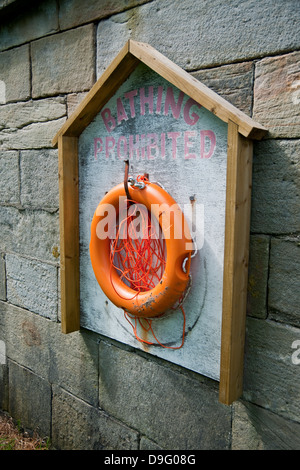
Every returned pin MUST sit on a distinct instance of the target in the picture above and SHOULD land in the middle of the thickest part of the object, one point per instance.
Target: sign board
(147, 110)
(182, 146)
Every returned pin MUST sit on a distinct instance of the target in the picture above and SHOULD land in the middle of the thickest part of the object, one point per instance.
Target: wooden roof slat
(105, 87)
(195, 89)
(123, 65)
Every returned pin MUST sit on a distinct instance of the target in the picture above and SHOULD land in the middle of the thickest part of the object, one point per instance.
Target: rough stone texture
(20, 115)
(258, 276)
(277, 95)
(34, 136)
(4, 398)
(272, 381)
(73, 100)
(39, 178)
(254, 428)
(77, 425)
(74, 363)
(275, 189)
(131, 387)
(233, 82)
(63, 63)
(28, 338)
(194, 35)
(29, 399)
(146, 444)
(72, 14)
(15, 73)
(284, 282)
(9, 171)
(31, 124)
(2, 277)
(32, 285)
(38, 344)
(38, 19)
(34, 233)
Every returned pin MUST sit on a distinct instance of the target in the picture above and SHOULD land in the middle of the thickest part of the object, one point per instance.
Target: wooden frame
(241, 130)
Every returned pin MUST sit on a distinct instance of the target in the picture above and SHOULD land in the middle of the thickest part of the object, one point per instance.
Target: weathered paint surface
(183, 147)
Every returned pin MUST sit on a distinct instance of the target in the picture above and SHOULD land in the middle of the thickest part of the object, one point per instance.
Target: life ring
(179, 248)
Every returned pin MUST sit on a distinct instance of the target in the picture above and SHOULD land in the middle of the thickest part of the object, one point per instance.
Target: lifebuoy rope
(140, 262)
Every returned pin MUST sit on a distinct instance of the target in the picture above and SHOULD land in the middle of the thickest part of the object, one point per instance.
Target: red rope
(139, 258)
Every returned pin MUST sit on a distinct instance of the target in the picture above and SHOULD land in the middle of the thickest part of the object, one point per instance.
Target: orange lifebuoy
(179, 247)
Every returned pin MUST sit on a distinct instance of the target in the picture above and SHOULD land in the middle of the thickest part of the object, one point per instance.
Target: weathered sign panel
(182, 146)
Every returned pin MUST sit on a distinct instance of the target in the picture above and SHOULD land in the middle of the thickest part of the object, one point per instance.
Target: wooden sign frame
(241, 132)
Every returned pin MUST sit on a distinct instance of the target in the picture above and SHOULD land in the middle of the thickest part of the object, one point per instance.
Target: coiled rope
(140, 258)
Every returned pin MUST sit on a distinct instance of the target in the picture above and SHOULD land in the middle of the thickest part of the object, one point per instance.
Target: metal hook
(126, 179)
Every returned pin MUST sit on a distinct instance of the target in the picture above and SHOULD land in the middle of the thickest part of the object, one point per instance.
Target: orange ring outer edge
(174, 281)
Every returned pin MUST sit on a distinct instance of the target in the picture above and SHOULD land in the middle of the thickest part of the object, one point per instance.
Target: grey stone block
(29, 399)
(147, 444)
(36, 20)
(37, 135)
(9, 171)
(73, 100)
(74, 363)
(27, 338)
(34, 233)
(2, 277)
(79, 426)
(15, 74)
(19, 115)
(32, 285)
(277, 95)
(275, 190)
(254, 428)
(171, 409)
(31, 124)
(72, 14)
(284, 281)
(3, 365)
(194, 35)
(39, 178)
(233, 82)
(271, 376)
(4, 389)
(63, 63)
(258, 276)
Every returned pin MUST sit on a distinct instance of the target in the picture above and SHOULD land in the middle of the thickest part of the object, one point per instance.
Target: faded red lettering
(159, 98)
(109, 147)
(121, 113)
(193, 118)
(134, 147)
(130, 96)
(188, 144)
(122, 142)
(98, 146)
(152, 144)
(146, 100)
(170, 102)
(212, 138)
(174, 136)
(108, 119)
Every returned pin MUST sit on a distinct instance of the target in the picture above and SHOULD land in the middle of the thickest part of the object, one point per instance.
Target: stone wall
(86, 391)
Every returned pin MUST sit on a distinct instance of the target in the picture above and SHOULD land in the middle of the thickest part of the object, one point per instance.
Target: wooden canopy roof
(124, 64)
